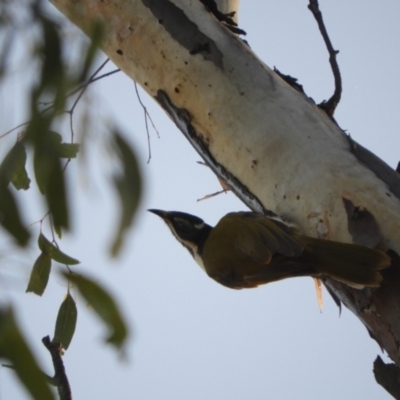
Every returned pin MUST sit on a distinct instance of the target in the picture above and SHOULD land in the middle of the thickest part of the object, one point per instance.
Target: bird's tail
(355, 265)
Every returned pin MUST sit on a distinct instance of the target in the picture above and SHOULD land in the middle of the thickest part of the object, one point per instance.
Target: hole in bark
(120, 52)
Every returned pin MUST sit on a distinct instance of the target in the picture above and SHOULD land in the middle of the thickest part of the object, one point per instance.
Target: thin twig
(83, 90)
(94, 79)
(91, 80)
(330, 105)
(15, 128)
(146, 116)
(208, 196)
(84, 86)
(60, 377)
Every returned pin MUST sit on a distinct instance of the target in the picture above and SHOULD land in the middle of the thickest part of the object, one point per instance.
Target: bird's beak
(160, 213)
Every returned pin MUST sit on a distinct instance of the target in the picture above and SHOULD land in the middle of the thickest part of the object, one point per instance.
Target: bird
(248, 249)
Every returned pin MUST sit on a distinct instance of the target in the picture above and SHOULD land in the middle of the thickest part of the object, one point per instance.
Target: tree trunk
(279, 152)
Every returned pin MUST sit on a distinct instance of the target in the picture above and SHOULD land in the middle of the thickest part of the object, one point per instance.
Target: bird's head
(189, 230)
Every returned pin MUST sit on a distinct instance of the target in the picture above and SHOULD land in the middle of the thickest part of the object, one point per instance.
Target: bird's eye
(180, 223)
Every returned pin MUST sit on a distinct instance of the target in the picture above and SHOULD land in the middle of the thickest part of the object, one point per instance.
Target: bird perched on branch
(247, 249)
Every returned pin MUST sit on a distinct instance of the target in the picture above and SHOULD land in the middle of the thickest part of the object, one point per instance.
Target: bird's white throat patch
(194, 252)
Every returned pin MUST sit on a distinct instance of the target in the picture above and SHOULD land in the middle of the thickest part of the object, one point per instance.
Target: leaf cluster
(50, 153)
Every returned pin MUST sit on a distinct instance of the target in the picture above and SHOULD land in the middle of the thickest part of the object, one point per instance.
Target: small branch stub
(328, 106)
(388, 376)
(60, 377)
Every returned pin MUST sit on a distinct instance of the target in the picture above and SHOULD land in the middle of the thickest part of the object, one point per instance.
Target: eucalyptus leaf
(15, 350)
(53, 74)
(129, 188)
(66, 322)
(96, 35)
(40, 274)
(54, 252)
(58, 231)
(68, 150)
(104, 306)
(10, 217)
(50, 177)
(45, 160)
(12, 169)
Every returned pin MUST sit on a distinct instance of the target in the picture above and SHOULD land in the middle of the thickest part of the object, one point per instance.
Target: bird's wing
(271, 236)
(259, 238)
(258, 246)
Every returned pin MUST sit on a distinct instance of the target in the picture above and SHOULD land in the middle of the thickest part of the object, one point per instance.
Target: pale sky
(192, 338)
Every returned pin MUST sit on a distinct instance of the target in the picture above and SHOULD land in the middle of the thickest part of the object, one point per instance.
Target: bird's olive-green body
(247, 249)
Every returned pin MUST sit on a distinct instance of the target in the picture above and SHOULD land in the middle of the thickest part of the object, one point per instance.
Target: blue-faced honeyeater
(247, 249)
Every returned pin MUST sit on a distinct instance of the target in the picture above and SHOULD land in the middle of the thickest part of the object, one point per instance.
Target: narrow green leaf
(52, 63)
(40, 274)
(66, 322)
(12, 169)
(57, 229)
(14, 348)
(44, 160)
(68, 150)
(10, 217)
(62, 150)
(55, 253)
(38, 124)
(104, 305)
(129, 188)
(96, 35)
(49, 175)
(57, 197)
(55, 137)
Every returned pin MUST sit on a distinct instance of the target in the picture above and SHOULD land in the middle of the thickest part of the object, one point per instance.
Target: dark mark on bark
(290, 80)
(226, 19)
(184, 31)
(182, 119)
(361, 225)
(200, 48)
(376, 165)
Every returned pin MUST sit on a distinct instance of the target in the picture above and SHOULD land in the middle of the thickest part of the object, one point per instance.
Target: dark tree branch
(60, 378)
(328, 106)
(388, 376)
